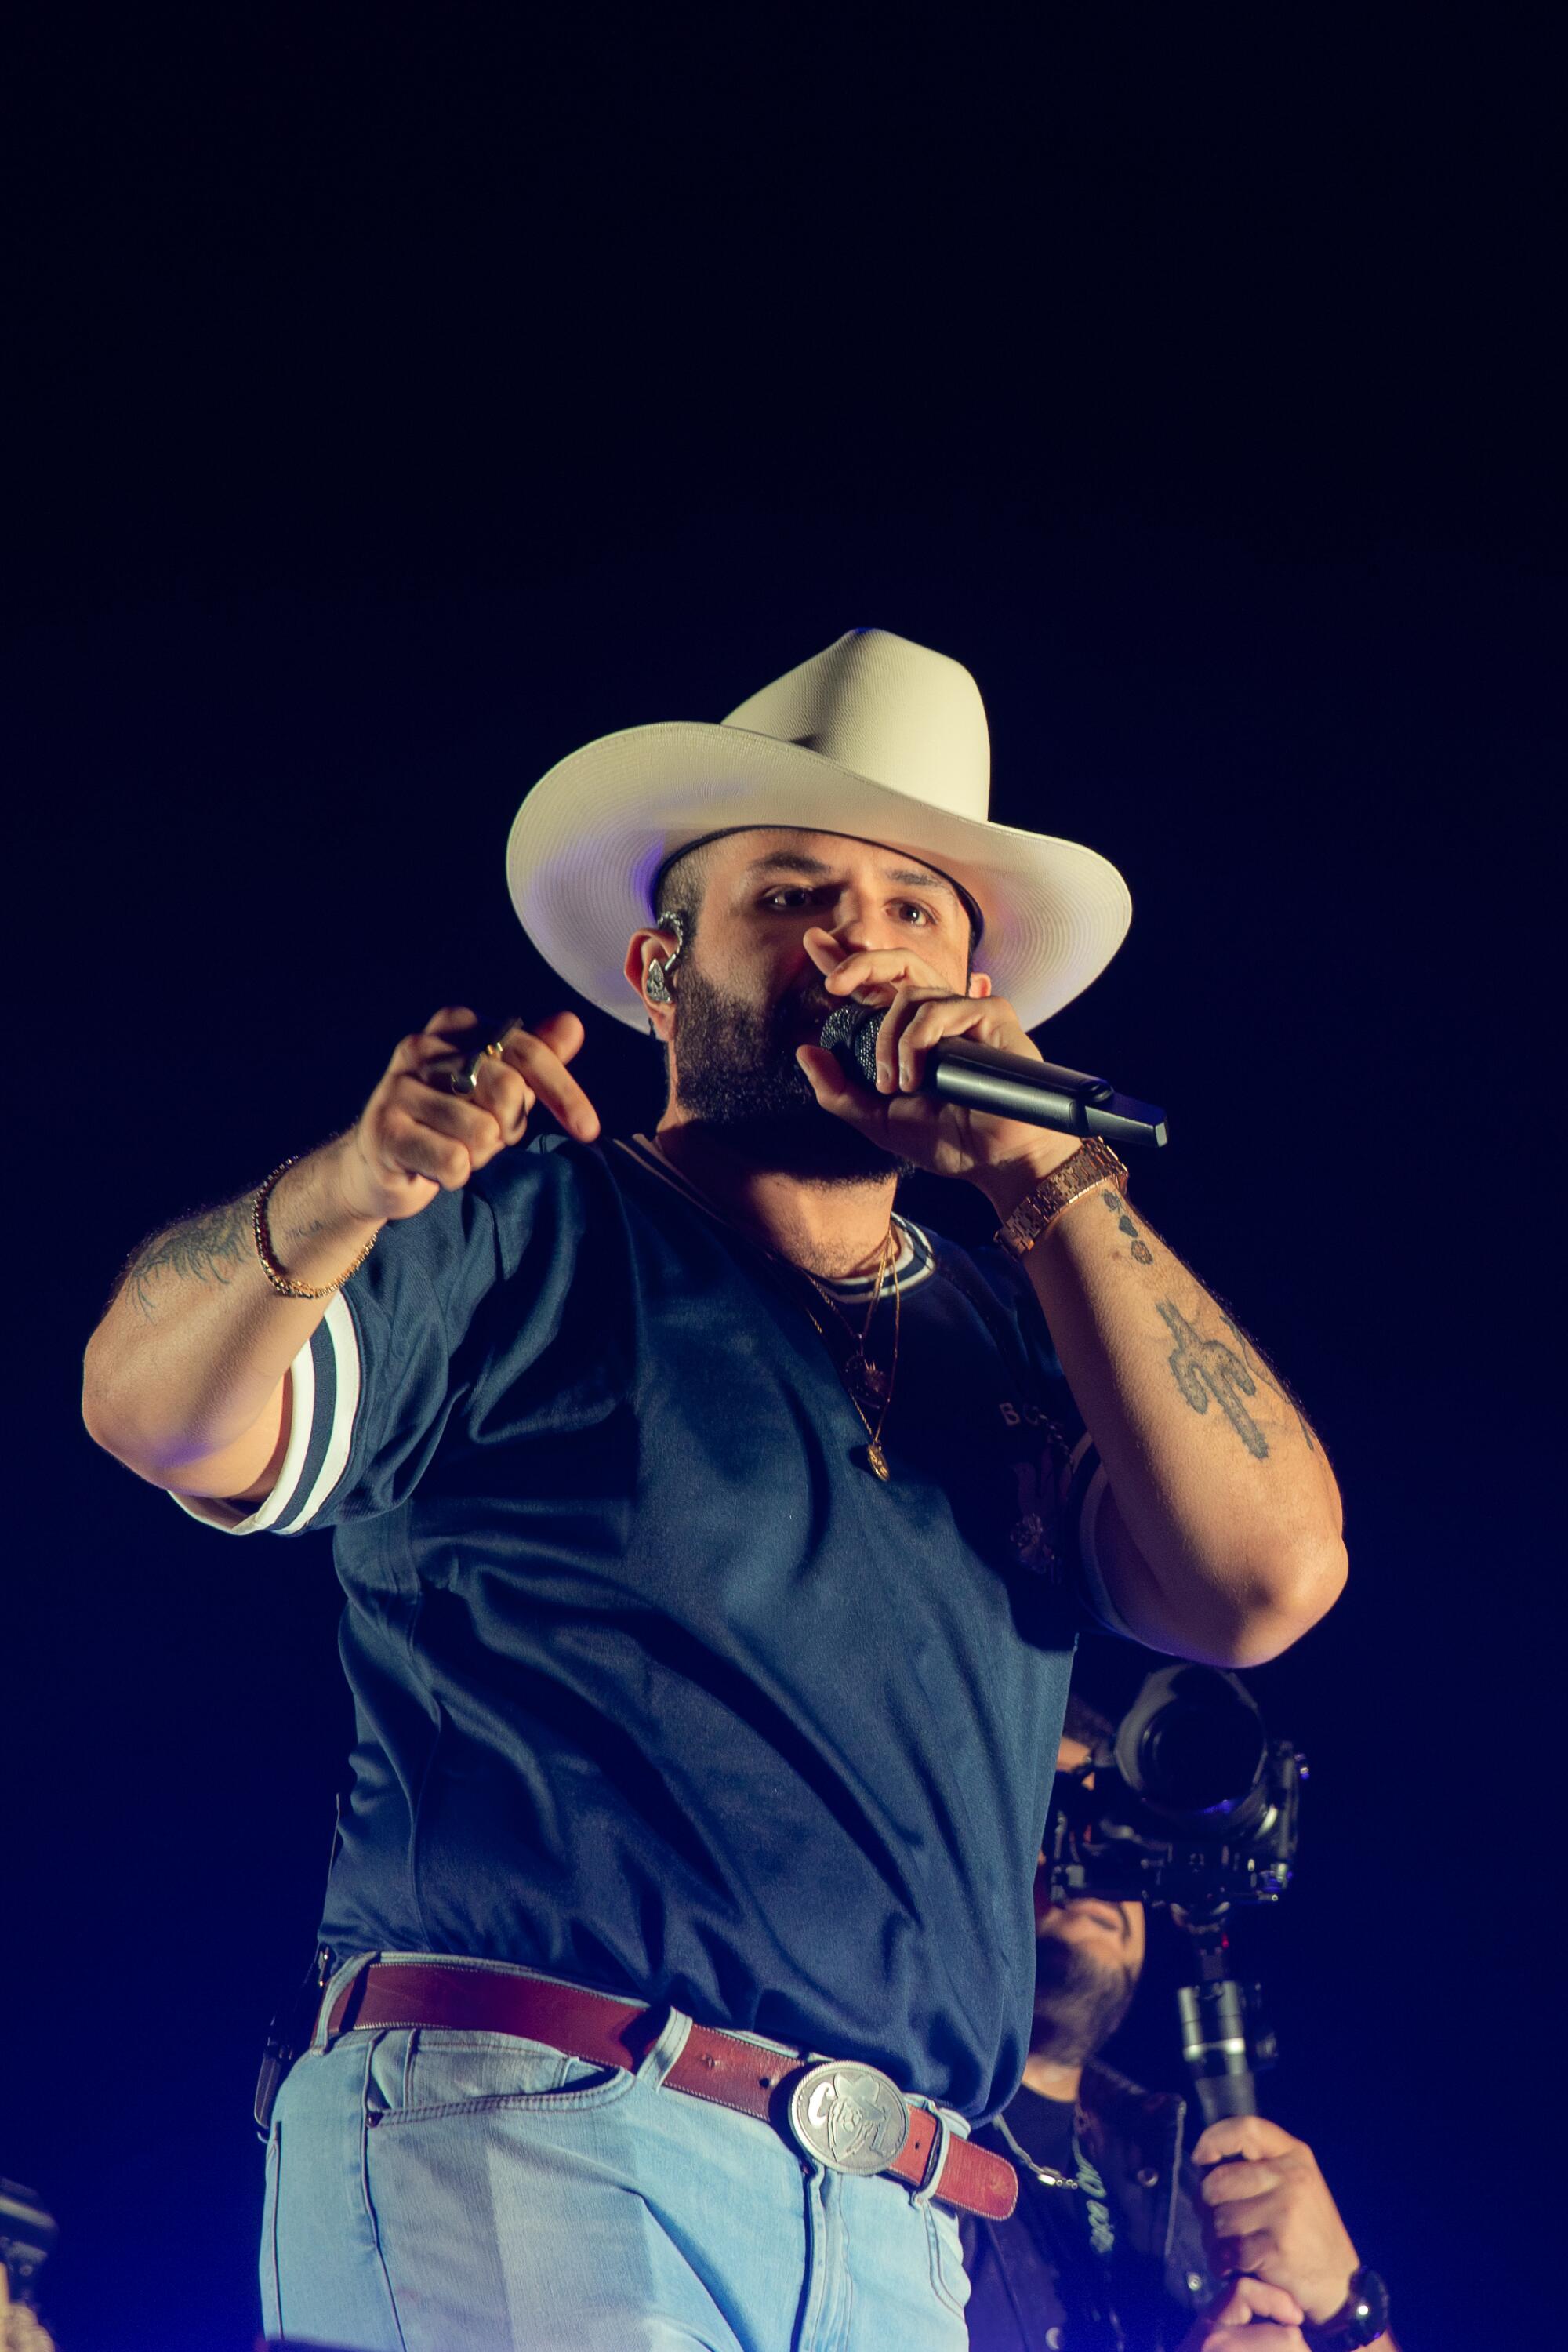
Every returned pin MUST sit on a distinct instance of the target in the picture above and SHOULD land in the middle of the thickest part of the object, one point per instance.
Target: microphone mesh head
(850, 1033)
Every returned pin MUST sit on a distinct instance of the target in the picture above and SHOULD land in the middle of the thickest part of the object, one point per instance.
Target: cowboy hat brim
(588, 841)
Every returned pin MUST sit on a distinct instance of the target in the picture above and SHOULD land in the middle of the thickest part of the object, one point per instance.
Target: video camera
(1190, 1804)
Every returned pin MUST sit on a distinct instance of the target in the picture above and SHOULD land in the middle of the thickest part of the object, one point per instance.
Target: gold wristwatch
(1092, 1163)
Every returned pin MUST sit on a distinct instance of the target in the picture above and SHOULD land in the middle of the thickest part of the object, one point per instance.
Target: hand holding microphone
(911, 1062)
(983, 1078)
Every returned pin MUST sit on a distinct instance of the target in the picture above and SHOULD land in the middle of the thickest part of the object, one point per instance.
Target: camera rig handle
(1222, 2048)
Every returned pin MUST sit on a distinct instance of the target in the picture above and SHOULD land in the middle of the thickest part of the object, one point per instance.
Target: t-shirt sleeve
(325, 1381)
(1083, 1500)
(1082, 1489)
(398, 1349)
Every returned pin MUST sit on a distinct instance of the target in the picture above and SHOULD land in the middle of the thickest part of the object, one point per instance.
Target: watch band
(1093, 1162)
(1361, 2319)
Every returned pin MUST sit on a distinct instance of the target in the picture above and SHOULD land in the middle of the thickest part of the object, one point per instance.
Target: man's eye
(920, 916)
(785, 898)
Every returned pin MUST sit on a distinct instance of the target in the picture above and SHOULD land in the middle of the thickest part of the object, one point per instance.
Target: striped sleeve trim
(324, 1379)
(1086, 1494)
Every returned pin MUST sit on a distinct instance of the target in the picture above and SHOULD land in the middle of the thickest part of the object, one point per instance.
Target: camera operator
(1229, 2249)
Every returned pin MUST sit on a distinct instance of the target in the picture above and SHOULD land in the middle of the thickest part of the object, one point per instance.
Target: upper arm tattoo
(206, 1247)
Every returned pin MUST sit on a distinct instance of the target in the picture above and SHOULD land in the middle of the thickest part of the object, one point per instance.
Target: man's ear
(650, 952)
(979, 984)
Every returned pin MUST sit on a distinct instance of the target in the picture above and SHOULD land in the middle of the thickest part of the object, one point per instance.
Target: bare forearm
(196, 1344)
(186, 1376)
(1224, 1530)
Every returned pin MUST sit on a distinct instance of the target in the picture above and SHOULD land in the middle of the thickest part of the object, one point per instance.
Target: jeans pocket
(443, 2070)
(948, 2275)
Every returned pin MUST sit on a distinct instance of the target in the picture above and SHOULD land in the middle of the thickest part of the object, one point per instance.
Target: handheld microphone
(982, 1078)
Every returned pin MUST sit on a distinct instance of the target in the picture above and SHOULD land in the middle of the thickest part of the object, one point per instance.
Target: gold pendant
(878, 1459)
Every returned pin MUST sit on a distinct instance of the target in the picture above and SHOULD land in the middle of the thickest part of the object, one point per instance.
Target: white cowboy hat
(877, 739)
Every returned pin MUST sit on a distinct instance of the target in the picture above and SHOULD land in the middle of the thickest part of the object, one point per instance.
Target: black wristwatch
(1360, 2319)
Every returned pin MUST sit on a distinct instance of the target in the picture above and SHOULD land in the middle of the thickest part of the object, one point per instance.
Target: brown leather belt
(850, 2116)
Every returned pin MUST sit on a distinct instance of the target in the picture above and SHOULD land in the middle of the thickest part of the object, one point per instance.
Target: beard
(1080, 2000)
(736, 1071)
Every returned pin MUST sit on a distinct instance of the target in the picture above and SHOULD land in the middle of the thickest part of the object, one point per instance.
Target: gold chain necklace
(857, 1370)
(859, 1366)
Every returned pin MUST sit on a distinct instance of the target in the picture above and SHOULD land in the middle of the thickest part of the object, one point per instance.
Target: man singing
(715, 1542)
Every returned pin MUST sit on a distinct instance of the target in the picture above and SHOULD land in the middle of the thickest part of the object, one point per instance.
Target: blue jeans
(448, 2191)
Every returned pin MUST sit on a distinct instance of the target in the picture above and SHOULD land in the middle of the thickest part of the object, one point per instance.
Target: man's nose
(860, 923)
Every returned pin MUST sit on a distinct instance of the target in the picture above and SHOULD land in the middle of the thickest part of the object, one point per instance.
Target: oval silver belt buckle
(850, 2117)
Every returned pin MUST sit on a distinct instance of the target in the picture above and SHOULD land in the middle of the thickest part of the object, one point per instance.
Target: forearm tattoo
(1257, 1364)
(1142, 1252)
(1203, 1368)
(1207, 1368)
(206, 1247)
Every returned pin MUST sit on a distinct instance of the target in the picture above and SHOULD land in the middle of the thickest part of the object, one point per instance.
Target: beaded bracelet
(282, 1283)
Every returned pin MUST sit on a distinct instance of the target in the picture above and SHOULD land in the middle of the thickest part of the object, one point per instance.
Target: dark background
(406, 397)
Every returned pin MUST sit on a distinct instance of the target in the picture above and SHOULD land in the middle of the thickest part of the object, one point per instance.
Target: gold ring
(465, 1081)
(495, 1043)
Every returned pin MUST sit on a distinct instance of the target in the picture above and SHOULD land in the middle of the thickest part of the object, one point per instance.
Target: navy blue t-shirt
(658, 1687)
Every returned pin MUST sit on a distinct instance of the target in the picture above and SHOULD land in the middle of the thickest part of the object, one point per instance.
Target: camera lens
(1192, 1746)
(1199, 1762)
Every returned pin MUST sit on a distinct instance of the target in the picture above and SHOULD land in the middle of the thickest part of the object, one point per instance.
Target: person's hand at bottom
(20, 2330)
(1248, 2315)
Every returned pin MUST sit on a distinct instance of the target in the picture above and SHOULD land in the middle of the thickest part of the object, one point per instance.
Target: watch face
(1369, 2304)
(1360, 2319)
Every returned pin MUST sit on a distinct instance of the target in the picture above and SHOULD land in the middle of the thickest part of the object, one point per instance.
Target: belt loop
(937, 2162)
(337, 1985)
(665, 2049)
